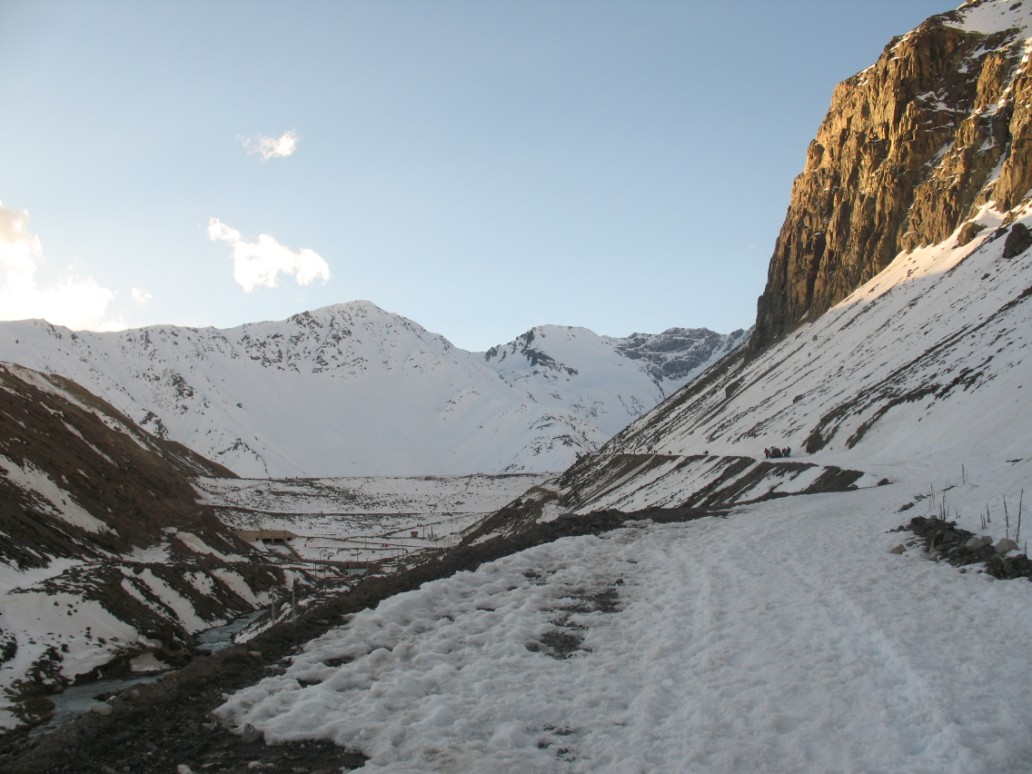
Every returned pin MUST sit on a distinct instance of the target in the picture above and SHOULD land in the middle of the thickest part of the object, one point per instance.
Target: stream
(77, 699)
(214, 640)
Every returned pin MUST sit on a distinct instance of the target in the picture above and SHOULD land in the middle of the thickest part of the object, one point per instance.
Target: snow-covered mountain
(355, 390)
(794, 623)
(919, 370)
(920, 364)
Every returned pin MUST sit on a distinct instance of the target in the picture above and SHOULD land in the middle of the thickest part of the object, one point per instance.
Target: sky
(478, 167)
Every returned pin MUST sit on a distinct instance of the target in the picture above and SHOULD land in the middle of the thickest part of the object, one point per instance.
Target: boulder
(1006, 545)
(977, 542)
(1018, 241)
(101, 708)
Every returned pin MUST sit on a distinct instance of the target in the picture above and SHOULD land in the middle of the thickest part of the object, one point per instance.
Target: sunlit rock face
(910, 149)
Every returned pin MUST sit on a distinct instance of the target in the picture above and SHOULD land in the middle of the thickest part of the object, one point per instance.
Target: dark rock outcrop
(1019, 239)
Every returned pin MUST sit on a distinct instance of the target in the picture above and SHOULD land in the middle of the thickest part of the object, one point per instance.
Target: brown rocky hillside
(99, 462)
(105, 551)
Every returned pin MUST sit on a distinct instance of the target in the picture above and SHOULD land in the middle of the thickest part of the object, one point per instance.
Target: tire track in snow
(894, 691)
(741, 649)
(656, 713)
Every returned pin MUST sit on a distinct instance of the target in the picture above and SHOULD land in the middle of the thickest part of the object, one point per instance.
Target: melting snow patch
(173, 601)
(198, 546)
(52, 499)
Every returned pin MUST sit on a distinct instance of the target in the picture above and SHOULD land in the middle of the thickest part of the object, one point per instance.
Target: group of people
(774, 452)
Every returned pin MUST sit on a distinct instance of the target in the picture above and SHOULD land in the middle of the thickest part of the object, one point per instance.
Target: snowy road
(782, 639)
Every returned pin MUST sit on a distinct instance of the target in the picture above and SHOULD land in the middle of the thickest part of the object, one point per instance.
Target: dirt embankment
(165, 725)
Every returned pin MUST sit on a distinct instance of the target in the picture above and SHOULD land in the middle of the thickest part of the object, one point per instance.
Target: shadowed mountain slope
(106, 552)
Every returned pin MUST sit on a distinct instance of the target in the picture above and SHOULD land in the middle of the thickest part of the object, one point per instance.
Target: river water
(214, 640)
(77, 699)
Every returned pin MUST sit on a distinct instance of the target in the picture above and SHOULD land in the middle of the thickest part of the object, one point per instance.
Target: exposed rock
(1018, 241)
(910, 148)
(1006, 545)
(945, 540)
(969, 231)
(977, 542)
(250, 734)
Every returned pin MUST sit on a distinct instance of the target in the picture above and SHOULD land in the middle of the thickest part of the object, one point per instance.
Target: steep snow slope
(927, 364)
(352, 389)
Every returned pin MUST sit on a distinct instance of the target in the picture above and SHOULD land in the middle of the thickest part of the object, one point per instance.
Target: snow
(42, 621)
(50, 497)
(236, 583)
(783, 638)
(366, 518)
(989, 17)
(13, 578)
(195, 544)
(172, 601)
(381, 394)
(147, 662)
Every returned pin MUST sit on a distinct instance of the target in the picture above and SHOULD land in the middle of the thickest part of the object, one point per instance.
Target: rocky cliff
(910, 149)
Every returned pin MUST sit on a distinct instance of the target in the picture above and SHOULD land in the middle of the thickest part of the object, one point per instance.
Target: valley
(367, 521)
(577, 553)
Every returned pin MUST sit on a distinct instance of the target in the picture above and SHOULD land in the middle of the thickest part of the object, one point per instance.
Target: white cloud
(262, 261)
(72, 300)
(271, 147)
(141, 296)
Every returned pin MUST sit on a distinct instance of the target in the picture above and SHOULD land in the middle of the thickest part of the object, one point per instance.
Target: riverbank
(169, 724)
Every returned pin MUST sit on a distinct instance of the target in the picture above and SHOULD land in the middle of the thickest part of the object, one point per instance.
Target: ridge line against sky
(478, 167)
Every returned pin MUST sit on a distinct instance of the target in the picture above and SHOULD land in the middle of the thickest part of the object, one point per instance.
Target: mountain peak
(351, 389)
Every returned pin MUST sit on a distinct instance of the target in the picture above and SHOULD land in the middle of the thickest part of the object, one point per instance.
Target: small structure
(276, 536)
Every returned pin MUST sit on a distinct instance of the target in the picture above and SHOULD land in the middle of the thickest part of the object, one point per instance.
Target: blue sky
(479, 167)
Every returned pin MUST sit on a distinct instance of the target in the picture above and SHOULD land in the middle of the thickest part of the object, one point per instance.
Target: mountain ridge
(382, 395)
(892, 366)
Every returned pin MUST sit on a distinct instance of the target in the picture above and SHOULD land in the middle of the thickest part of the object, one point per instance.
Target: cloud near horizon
(72, 301)
(260, 263)
(271, 147)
